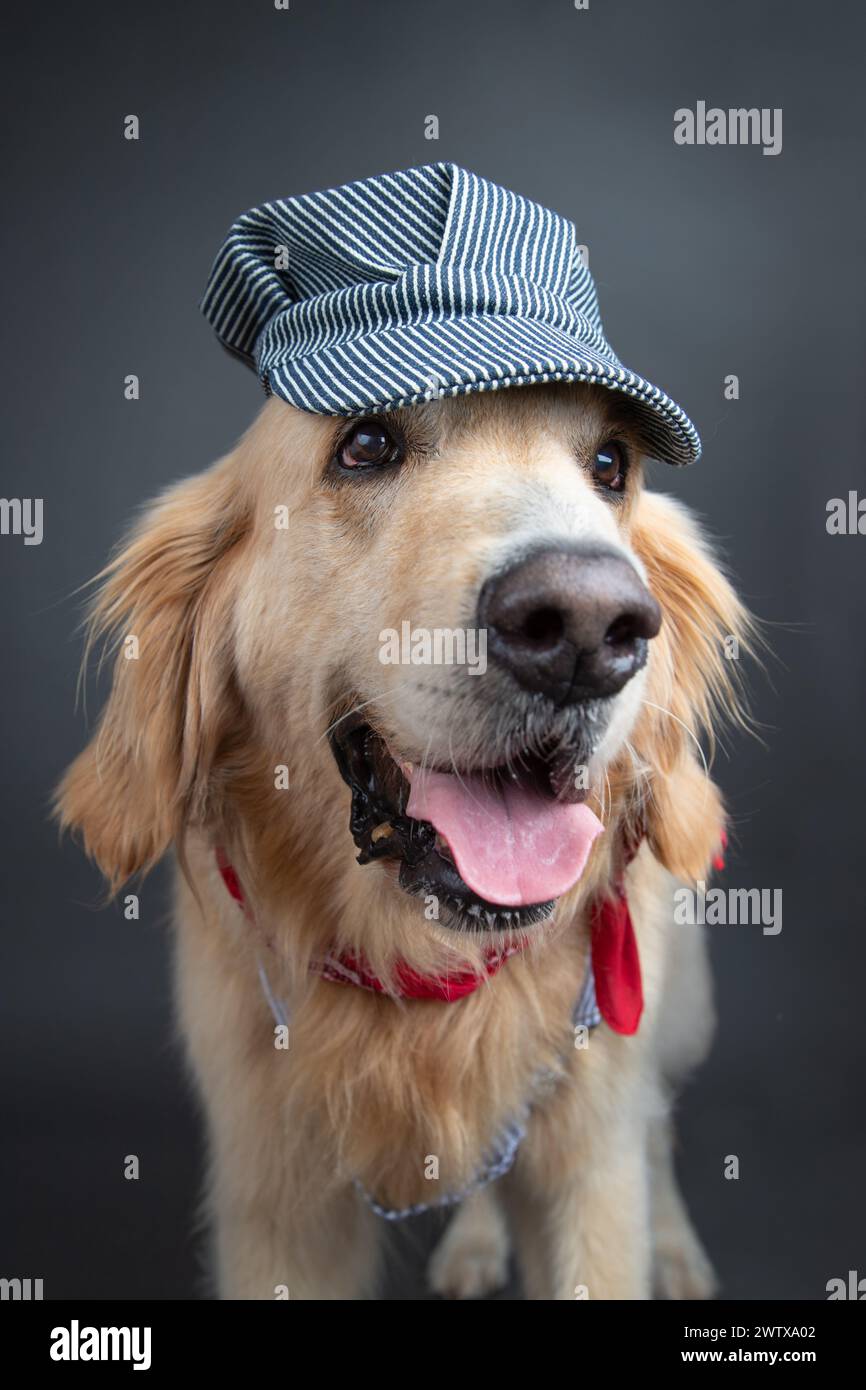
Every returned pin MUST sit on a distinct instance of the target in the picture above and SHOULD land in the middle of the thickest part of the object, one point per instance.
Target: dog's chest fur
(405, 1098)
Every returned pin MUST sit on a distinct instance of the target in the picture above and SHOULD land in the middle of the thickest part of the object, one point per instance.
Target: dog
(261, 735)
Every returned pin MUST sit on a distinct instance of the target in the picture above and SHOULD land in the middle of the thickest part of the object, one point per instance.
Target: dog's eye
(368, 444)
(611, 466)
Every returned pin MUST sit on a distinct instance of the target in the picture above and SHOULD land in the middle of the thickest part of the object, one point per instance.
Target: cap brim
(406, 364)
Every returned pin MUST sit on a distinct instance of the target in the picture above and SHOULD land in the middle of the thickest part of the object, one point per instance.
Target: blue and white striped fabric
(410, 286)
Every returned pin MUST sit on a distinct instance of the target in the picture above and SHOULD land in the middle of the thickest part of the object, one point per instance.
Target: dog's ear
(694, 684)
(163, 608)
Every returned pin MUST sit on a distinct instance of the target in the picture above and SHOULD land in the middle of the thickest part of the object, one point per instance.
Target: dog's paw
(681, 1267)
(470, 1260)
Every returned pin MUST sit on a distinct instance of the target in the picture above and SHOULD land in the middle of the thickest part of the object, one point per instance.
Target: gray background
(709, 261)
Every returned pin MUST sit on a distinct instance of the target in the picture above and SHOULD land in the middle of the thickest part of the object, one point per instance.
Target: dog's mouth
(489, 848)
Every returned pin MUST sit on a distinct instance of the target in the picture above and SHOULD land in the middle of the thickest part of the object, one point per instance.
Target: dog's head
(462, 636)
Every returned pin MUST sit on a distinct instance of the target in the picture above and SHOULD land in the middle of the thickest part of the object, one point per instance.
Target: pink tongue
(512, 846)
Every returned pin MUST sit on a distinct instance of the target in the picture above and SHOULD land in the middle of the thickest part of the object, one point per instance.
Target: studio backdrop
(729, 260)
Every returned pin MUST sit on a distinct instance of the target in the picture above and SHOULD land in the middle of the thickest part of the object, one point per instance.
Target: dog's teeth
(443, 848)
(408, 770)
(474, 909)
(491, 918)
(381, 832)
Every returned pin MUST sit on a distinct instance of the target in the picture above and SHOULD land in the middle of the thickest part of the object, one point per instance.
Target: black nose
(573, 624)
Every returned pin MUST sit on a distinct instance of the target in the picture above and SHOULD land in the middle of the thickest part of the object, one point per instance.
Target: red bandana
(616, 964)
(347, 970)
(615, 959)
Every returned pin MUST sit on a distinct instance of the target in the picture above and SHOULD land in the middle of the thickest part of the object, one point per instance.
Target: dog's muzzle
(489, 849)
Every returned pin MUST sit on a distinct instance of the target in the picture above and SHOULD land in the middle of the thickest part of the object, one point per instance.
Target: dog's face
(468, 611)
(457, 601)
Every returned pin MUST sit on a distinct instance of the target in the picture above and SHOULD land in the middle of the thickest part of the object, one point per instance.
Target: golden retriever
(258, 594)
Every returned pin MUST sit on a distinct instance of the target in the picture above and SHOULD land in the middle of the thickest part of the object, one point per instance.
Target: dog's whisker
(398, 689)
(691, 733)
(707, 779)
(607, 799)
(456, 771)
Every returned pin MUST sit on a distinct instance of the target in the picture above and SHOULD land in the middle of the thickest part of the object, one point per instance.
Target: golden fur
(241, 626)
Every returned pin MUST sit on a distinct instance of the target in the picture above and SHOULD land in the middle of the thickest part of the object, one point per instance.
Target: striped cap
(409, 286)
